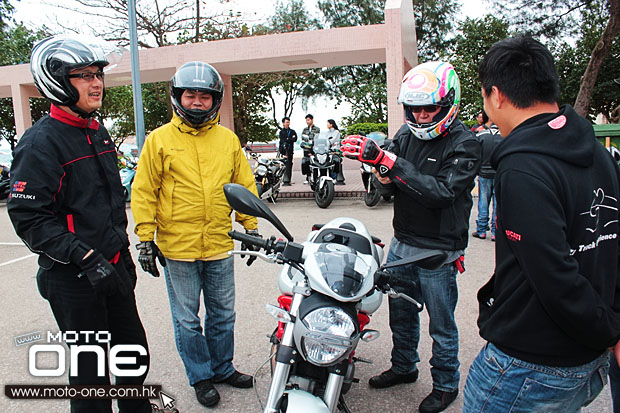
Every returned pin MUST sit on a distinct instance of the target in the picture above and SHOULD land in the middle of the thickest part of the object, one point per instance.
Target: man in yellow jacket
(178, 194)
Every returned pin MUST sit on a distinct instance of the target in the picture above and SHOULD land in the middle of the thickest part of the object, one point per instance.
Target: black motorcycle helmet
(52, 60)
(201, 77)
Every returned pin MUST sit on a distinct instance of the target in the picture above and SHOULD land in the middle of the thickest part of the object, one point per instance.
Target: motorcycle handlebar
(387, 279)
(249, 239)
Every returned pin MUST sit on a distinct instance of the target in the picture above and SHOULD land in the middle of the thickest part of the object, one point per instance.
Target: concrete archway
(393, 43)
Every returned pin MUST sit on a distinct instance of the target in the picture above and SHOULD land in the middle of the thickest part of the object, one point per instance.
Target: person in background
(307, 135)
(288, 137)
(430, 167)
(551, 310)
(333, 134)
(480, 120)
(178, 194)
(490, 137)
(67, 205)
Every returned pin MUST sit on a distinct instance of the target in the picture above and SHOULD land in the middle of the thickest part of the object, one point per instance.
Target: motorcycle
(372, 195)
(127, 173)
(321, 167)
(331, 284)
(5, 182)
(268, 174)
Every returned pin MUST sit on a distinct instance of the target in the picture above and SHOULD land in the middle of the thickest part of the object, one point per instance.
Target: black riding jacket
(66, 194)
(432, 183)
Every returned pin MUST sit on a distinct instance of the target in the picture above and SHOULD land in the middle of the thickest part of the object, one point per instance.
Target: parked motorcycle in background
(331, 284)
(127, 172)
(5, 166)
(268, 174)
(372, 196)
(321, 168)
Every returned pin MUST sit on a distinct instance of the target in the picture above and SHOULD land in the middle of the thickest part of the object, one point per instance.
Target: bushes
(356, 128)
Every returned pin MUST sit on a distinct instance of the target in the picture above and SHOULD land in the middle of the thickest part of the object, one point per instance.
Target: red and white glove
(367, 151)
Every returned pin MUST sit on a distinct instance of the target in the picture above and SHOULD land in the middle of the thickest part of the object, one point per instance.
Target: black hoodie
(555, 295)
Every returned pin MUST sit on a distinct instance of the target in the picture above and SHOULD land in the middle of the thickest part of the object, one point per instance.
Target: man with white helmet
(67, 205)
(178, 194)
(430, 167)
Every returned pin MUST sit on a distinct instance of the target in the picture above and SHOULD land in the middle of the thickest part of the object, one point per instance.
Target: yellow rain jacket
(178, 189)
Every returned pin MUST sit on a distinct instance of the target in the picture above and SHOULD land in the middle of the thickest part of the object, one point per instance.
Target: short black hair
(309, 116)
(522, 68)
(285, 118)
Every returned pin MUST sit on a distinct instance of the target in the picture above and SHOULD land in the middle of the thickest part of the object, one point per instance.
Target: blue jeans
(486, 191)
(437, 290)
(499, 383)
(206, 354)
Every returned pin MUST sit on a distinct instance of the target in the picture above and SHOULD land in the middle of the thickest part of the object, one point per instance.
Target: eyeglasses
(427, 108)
(88, 76)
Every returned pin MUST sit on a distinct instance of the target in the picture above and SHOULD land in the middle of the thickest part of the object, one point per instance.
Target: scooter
(331, 284)
(372, 194)
(321, 169)
(268, 174)
(127, 173)
(5, 182)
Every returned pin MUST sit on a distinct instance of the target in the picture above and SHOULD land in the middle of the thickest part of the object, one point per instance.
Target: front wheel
(325, 195)
(372, 195)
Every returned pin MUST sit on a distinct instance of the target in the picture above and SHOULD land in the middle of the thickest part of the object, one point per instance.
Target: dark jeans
(288, 163)
(77, 307)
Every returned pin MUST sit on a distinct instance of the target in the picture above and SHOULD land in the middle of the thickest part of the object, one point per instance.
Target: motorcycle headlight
(261, 170)
(328, 335)
(321, 157)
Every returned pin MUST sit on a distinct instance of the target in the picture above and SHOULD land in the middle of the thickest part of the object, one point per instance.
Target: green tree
(573, 61)
(434, 24)
(555, 19)
(475, 38)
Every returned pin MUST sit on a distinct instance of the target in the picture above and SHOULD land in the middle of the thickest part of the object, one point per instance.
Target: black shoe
(388, 379)
(206, 394)
(286, 184)
(438, 401)
(239, 380)
(476, 235)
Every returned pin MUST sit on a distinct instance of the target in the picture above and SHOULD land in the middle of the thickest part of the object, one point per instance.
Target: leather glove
(148, 253)
(102, 275)
(367, 151)
(244, 247)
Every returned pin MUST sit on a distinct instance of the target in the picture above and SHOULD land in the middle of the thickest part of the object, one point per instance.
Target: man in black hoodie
(550, 311)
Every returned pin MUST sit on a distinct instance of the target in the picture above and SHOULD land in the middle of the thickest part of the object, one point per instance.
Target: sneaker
(480, 236)
(239, 380)
(493, 238)
(306, 182)
(206, 394)
(388, 379)
(438, 401)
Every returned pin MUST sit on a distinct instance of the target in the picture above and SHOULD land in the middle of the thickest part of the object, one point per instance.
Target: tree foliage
(475, 38)
(434, 25)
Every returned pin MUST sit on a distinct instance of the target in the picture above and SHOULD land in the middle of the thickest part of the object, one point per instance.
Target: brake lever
(271, 258)
(394, 294)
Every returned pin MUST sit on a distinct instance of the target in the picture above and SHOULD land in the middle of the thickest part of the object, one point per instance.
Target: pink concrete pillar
(400, 55)
(226, 110)
(21, 108)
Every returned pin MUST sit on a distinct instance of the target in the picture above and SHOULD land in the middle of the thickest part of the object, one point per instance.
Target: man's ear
(499, 99)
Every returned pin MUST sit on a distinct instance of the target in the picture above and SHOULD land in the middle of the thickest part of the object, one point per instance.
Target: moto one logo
(95, 343)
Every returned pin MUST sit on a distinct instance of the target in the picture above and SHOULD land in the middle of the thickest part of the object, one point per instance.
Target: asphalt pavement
(26, 312)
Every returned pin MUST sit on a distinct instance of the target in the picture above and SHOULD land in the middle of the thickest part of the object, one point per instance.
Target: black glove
(148, 253)
(251, 258)
(102, 275)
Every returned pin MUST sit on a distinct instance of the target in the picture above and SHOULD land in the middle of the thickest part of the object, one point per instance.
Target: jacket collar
(185, 128)
(65, 117)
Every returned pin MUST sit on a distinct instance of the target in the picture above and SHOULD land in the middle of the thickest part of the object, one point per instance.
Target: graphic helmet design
(53, 58)
(201, 77)
(431, 83)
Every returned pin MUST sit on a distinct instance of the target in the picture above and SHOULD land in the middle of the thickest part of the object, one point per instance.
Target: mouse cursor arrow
(167, 402)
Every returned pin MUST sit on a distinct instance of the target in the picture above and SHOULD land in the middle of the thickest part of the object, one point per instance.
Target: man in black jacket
(550, 311)
(288, 137)
(67, 205)
(430, 166)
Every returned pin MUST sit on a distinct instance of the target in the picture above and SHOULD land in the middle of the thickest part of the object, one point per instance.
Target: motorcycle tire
(372, 197)
(324, 196)
(259, 189)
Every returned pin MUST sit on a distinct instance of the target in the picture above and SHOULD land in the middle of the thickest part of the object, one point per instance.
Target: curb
(310, 194)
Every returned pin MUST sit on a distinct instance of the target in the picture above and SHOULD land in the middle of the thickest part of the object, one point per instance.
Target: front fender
(323, 179)
(301, 401)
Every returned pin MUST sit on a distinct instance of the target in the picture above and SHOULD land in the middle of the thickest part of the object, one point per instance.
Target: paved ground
(25, 311)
